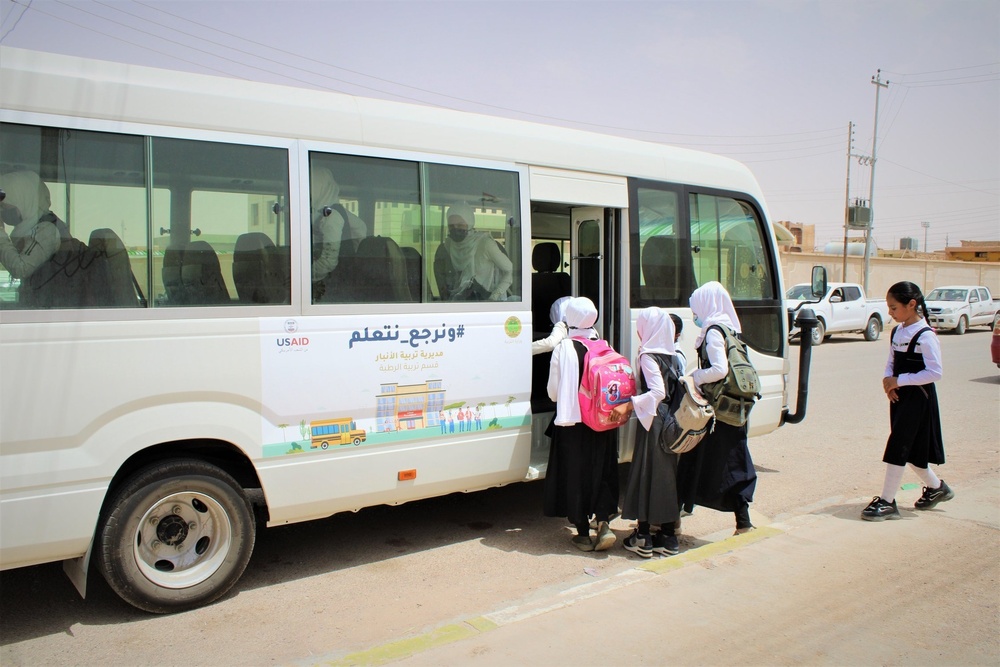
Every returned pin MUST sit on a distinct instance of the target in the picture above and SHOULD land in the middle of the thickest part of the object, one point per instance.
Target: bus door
(587, 244)
(596, 266)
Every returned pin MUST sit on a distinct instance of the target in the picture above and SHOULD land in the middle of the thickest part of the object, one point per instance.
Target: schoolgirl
(557, 313)
(651, 490)
(582, 475)
(913, 367)
(719, 472)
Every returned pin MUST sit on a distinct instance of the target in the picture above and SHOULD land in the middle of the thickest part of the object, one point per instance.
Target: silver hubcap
(182, 540)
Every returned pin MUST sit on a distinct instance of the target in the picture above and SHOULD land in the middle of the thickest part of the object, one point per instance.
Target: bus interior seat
(201, 275)
(413, 272)
(280, 285)
(116, 286)
(667, 275)
(548, 283)
(173, 257)
(252, 271)
(380, 272)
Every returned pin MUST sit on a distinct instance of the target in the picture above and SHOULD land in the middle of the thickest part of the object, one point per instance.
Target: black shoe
(639, 544)
(932, 497)
(879, 510)
(666, 545)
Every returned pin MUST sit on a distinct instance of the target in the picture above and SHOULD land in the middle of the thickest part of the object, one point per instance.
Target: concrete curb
(477, 625)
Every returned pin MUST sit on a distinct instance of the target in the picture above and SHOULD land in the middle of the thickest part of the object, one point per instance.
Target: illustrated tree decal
(283, 427)
(493, 404)
(510, 399)
(304, 429)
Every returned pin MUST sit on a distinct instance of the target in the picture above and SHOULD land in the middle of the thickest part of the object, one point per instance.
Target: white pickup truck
(843, 309)
(958, 307)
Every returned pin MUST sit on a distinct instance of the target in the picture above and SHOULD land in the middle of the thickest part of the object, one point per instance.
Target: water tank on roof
(907, 243)
(853, 249)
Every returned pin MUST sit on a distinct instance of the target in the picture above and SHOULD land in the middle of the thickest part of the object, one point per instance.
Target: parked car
(843, 309)
(958, 307)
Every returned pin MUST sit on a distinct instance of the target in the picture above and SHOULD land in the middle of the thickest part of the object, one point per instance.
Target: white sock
(893, 476)
(931, 480)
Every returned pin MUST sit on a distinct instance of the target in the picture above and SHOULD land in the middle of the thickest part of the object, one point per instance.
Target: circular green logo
(512, 327)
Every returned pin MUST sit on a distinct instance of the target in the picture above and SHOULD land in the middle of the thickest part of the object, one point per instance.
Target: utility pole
(847, 198)
(925, 225)
(877, 81)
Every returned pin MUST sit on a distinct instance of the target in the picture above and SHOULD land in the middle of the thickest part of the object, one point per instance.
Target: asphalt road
(321, 592)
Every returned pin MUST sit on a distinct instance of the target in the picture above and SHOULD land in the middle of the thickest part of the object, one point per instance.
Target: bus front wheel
(176, 536)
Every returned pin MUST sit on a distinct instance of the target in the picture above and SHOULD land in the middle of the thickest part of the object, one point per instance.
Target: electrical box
(859, 217)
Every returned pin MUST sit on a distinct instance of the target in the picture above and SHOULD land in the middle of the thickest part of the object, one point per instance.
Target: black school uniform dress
(915, 419)
(719, 472)
(651, 490)
(582, 475)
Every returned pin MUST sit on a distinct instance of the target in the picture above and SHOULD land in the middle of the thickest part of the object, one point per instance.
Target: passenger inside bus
(471, 265)
(329, 233)
(37, 233)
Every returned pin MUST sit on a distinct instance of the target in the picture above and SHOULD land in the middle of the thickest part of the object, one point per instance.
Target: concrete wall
(884, 271)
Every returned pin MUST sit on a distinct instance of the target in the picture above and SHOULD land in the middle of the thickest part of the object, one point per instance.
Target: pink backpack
(607, 380)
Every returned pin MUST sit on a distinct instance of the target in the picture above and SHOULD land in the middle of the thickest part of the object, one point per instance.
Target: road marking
(471, 627)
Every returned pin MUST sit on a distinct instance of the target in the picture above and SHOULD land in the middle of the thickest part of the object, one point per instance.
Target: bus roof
(40, 82)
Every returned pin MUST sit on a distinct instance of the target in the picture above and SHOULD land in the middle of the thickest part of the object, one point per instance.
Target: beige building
(974, 251)
(804, 237)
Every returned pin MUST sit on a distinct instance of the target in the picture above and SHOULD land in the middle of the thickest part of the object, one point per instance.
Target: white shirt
(715, 350)
(928, 345)
(645, 404)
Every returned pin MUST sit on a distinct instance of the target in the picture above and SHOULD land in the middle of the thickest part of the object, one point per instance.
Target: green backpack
(733, 396)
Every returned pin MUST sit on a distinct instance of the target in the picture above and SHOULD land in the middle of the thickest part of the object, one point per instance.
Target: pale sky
(770, 83)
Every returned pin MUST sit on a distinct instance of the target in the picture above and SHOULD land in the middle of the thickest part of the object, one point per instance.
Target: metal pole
(847, 199)
(877, 80)
(925, 225)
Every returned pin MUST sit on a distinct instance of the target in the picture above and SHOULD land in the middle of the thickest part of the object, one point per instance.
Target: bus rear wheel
(176, 536)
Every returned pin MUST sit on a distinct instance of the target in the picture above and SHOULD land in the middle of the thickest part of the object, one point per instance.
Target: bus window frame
(298, 151)
(684, 193)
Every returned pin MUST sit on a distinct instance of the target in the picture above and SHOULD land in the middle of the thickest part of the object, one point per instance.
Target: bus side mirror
(818, 282)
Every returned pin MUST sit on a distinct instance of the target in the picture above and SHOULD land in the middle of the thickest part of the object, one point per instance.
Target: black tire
(177, 535)
(873, 329)
(357, 441)
(818, 333)
(325, 445)
(963, 324)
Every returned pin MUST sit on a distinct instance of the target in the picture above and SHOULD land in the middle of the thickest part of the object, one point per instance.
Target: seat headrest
(545, 257)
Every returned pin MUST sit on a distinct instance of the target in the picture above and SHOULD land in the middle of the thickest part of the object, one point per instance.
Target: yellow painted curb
(407, 647)
(709, 550)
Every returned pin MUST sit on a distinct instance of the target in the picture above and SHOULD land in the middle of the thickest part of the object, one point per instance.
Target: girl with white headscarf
(582, 475)
(719, 473)
(328, 229)
(557, 313)
(37, 233)
(651, 490)
(469, 265)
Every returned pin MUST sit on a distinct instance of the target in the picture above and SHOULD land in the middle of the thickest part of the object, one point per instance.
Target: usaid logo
(291, 327)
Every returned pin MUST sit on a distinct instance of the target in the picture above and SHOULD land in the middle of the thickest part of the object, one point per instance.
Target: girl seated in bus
(582, 476)
(37, 233)
(470, 265)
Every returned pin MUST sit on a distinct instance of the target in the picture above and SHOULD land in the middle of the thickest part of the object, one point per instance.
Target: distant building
(974, 251)
(805, 237)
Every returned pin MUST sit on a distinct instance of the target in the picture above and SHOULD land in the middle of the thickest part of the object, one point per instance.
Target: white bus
(160, 373)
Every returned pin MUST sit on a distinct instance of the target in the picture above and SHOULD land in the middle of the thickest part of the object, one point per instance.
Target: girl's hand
(620, 413)
(889, 383)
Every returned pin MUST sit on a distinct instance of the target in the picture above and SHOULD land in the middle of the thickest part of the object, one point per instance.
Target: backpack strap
(913, 341)
(581, 354)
